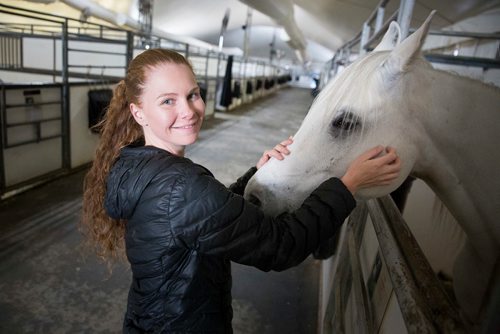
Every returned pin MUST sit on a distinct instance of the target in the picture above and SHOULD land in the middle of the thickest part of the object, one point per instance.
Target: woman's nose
(188, 110)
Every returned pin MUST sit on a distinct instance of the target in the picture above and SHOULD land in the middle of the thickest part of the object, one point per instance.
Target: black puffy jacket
(183, 229)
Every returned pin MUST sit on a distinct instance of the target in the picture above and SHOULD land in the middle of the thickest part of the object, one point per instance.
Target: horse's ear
(391, 38)
(407, 50)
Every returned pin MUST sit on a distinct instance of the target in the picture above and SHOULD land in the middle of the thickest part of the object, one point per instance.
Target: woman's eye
(194, 96)
(168, 101)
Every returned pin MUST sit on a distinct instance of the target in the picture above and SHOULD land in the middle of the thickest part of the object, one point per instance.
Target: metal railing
(425, 305)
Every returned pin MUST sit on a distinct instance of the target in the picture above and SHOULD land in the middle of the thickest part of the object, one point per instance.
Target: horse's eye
(338, 123)
(344, 124)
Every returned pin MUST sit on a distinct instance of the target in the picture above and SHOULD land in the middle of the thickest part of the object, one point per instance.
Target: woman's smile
(185, 127)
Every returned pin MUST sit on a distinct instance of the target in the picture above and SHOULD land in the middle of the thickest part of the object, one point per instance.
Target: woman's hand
(369, 170)
(278, 152)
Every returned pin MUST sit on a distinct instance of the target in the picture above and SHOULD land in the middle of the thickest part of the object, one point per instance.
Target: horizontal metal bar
(71, 37)
(28, 16)
(95, 66)
(90, 38)
(15, 10)
(463, 34)
(33, 141)
(8, 86)
(463, 60)
(99, 52)
(80, 75)
(31, 104)
(39, 121)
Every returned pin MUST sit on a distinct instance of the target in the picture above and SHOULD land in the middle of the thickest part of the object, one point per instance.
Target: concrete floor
(50, 284)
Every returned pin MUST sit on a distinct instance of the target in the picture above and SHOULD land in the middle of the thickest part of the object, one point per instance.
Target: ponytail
(118, 129)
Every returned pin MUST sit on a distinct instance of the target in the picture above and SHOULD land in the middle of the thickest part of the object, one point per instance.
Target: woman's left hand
(279, 151)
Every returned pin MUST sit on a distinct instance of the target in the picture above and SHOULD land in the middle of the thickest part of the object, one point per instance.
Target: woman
(182, 227)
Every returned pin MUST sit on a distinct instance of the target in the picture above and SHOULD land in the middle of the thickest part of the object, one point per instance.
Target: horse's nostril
(254, 200)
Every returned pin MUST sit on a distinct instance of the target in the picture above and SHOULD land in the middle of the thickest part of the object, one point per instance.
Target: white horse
(445, 128)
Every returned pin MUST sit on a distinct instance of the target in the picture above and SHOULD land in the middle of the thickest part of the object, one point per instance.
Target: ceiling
(324, 24)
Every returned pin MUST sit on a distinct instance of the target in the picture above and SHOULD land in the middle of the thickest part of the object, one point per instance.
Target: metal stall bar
(361, 300)
(347, 279)
(442, 310)
(415, 314)
(424, 304)
(65, 123)
(3, 138)
(404, 16)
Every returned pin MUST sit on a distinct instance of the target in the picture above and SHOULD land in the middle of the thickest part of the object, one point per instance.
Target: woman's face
(171, 109)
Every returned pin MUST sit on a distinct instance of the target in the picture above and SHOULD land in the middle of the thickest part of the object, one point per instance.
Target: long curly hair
(117, 129)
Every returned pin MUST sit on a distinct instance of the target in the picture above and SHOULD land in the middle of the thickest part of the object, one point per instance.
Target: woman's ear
(138, 114)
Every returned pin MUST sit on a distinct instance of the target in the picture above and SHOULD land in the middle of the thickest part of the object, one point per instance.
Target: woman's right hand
(369, 170)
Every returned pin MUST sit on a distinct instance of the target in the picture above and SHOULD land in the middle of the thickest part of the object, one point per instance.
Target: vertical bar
(19, 53)
(379, 20)
(207, 58)
(14, 52)
(246, 33)
(3, 137)
(354, 236)
(130, 50)
(2, 47)
(365, 35)
(404, 16)
(364, 323)
(217, 80)
(22, 53)
(9, 52)
(65, 117)
(54, 50)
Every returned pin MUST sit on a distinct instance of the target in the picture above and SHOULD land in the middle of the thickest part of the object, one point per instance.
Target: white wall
(83, 142)
(34, 159)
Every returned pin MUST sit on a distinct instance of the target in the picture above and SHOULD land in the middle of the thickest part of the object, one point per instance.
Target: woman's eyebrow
(165, 94)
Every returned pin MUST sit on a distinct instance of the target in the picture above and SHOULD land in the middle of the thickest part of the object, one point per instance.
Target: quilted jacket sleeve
(207, 217)
(239, 186)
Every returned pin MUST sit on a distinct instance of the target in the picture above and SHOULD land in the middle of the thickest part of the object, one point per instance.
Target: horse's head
(364, 106)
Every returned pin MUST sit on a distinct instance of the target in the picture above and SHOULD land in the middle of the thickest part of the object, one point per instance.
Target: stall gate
(380, 281)
(32, 132)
